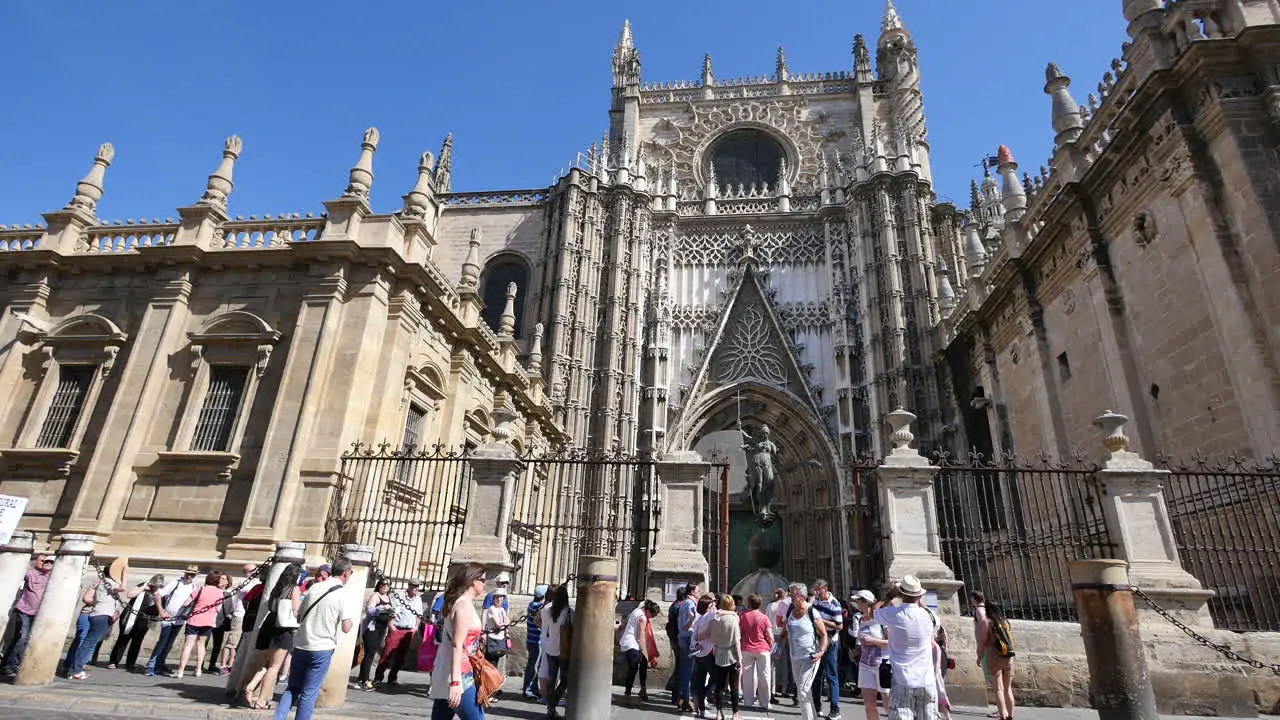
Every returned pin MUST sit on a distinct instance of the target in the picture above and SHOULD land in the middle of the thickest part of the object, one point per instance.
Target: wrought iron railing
(1010, 528)
(1226, 523)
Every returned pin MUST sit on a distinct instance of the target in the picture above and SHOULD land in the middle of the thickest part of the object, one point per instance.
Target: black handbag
(886, 674)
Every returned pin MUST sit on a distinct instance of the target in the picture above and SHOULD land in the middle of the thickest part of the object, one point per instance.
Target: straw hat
(118, 569)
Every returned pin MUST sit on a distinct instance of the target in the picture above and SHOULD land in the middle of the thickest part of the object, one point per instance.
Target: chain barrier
(395, 595)
(1222, 650)
(125, 604)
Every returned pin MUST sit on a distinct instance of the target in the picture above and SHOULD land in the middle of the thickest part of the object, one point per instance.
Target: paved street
(117, 694)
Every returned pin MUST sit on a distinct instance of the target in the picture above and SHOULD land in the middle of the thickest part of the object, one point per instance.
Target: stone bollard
(591, 662)
(286, 554)
(57, 611)
(1119, 683)
(334, 690)
(15, 560)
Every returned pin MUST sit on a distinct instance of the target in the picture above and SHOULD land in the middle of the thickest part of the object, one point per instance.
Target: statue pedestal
(679, 554)
(765, 549)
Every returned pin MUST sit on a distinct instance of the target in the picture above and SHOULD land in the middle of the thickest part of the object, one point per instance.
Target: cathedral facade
(732, 254)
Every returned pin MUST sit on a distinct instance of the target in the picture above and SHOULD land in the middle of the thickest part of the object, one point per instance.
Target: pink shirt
(32, 592)
(205, 608)
(756, 632)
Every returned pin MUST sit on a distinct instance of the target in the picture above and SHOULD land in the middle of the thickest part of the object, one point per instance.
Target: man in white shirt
(172, 598)
(408, 613)
(909, 627)
(321, 617)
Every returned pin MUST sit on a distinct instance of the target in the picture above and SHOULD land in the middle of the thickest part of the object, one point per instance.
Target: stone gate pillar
(15, 560)
(495, 467)
(333, 692)
(1138, 523)
(909, 516)
(679, 553)
(57, 611)
(286, 554)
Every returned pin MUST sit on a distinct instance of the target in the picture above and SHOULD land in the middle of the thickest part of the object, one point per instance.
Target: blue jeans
(82, 631)
(468, 708)
(684, 671)
(21, 623)
(306, 674)
(829, 669)
(531, 669)
(164, 644)
(99, 626)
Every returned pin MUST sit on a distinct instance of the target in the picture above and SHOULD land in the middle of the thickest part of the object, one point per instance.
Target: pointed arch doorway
(815, 541)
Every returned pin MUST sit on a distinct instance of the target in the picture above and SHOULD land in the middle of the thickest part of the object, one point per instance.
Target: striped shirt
(830, 611)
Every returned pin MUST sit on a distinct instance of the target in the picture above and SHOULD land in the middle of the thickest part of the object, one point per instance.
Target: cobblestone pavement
(111, 694)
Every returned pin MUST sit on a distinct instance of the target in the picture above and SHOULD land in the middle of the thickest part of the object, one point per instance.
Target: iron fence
(715, 525)
(1226, 523)
(1009, 529)
(860, 513)
(411, 507)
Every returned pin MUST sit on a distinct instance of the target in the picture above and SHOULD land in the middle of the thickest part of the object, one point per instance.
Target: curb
(84, 703)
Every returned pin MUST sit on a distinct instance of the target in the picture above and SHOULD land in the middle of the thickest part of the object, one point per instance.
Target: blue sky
(523, 86)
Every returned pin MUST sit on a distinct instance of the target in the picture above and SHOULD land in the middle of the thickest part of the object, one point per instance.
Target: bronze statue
(762, 455)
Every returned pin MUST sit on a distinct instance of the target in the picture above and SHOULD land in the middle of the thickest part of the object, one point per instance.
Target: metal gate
(411, 508)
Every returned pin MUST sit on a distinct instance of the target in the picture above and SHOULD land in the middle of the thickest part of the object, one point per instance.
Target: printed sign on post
(11, 509)
(931, 599)
(670, 587)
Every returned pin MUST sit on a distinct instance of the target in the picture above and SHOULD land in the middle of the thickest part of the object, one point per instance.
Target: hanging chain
(125, 605)
(1222, 650)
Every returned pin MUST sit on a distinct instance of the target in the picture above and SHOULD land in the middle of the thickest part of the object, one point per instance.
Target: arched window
(746, 156)
(499, 273)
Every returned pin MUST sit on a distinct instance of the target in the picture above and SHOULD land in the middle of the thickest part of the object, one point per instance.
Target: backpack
(252, 602)
(1002, 639)
(673, 620)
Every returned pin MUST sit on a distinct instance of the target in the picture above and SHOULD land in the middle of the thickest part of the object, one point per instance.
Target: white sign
(931, 599)
(11, 509)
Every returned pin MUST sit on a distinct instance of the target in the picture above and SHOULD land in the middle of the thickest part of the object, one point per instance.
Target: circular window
(747, 156)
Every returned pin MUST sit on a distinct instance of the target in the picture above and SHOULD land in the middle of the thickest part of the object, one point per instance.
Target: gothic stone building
(763, 250)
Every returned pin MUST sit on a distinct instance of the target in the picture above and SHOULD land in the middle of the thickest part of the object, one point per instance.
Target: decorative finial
(535, 353)
(471, 265)
(89, 189)
(444, 170)
(1067, 122)
(975, 199)
(784, 181)
(946, 294)
(418, 202)
(507, 321)
(861, 56)
(362, 173)
(1013, 195)
(625, 40)
(783, 74)
(1112, 426)
(220, 184)
(708, 79)
(892, 21)
(1004, 155)
(900, 421)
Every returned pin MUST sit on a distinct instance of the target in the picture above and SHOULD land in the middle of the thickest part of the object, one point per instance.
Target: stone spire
(444, 170)
(975, 253)
(784, 182)
(708, 79)
(507, 321)
(418, 202)
(626, 61)
(361, 178)
(946, 294)
(861, 59)
(1013, 196)
(89, 189)
(781, 69)
(535, 352)
(892, 21)
(219, 186)
(1066, 112)
(975, 199)
(471, 265)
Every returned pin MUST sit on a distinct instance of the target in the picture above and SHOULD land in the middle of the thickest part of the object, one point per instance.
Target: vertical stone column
(909, 516)
(15, 560)
(333, 692)
(1138, 524)
(1119, 683)
(286, 554)
(57, 611)
(679, 554)
(490, 497)
(591, 672)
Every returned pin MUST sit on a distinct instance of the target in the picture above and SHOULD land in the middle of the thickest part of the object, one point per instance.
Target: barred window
(68, 403)
(413, 427)
(221, 408)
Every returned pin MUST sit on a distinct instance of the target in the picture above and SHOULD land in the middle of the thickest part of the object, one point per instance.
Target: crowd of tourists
(730, 653)
(806, 647)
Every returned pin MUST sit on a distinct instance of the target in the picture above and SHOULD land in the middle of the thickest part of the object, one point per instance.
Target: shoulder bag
(487, 678)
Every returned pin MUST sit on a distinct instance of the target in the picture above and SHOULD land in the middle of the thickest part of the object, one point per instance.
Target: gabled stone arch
(238, 324)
